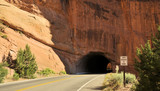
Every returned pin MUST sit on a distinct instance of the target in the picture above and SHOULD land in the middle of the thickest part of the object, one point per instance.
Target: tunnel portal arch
(94, 63)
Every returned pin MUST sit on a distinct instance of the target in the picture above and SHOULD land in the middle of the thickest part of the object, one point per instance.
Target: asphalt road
(62, 83)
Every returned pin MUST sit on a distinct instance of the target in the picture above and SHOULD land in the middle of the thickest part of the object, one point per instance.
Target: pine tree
(25, 64)
(148, 65)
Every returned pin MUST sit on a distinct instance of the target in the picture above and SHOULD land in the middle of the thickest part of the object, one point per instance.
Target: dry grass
(114, 82)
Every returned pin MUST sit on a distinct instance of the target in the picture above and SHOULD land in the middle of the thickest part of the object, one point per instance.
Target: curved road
(62, 83)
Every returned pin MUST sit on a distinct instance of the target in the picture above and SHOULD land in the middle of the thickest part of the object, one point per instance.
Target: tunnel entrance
(94, 63)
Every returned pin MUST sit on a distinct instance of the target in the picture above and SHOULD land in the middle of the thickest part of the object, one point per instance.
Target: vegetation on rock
(2, 30)
(3, 35)
(46, 72)
(25, 64)
(3, 72)
(62, 72)
(15, 76)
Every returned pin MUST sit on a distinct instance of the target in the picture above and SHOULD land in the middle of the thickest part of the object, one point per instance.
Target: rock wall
(113, 27)
(21, 28)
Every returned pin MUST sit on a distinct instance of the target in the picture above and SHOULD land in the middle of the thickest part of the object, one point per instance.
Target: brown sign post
(124, 62)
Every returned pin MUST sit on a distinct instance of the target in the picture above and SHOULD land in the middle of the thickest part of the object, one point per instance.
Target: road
(62, 83)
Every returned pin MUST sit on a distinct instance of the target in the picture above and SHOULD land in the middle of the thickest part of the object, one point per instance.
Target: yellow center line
(46, 83)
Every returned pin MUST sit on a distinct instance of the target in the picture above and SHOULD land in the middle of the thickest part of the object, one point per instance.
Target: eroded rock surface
(74, 28)
(23, 28)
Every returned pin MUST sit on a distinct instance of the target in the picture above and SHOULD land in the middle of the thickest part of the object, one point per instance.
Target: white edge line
(88, 82)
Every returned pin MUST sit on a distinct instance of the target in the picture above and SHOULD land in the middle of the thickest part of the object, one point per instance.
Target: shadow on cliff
(59, 26)
(62, 31)
(63, 35)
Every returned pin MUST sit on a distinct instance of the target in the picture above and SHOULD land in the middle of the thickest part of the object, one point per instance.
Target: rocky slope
(24, 28)
(74, 28)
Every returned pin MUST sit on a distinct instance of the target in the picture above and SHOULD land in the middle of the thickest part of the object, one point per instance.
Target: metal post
(124, 77)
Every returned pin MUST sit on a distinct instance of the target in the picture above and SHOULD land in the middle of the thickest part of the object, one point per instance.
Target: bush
(114, 81)
(4, 36)
(62, 72)
(32, 77)
(25, 64)
(148, 65)
(130, 78)
(133, 88)
(15, 76)
(3, 73)
(46, 72)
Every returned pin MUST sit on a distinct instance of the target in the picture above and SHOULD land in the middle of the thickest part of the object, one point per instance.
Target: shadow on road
(97, 88)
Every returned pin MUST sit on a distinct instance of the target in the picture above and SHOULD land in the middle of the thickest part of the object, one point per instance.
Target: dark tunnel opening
(94, 63)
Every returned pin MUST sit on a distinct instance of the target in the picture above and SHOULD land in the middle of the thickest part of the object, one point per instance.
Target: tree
(148, 65)
(25, 64)
(3, 72)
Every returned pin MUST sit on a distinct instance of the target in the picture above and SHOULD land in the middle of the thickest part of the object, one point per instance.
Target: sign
(123, 61)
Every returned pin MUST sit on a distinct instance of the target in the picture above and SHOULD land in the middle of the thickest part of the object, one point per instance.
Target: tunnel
(94, 63)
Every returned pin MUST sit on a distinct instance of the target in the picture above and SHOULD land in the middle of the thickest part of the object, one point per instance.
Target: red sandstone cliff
(23, 28)
(77, 27)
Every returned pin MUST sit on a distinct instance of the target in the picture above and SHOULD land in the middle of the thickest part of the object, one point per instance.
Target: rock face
(75, 28)
(23, 28)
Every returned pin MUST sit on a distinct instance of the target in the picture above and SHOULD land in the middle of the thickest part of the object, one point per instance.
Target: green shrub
(32, 77)
(15, 76)
(3, 73)
(130, 78)
(4, 36)
(46, 72)
(133, 88)
(148, 65)
(62, 72)
(114, 81)
(25, 64)
(2, 25)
